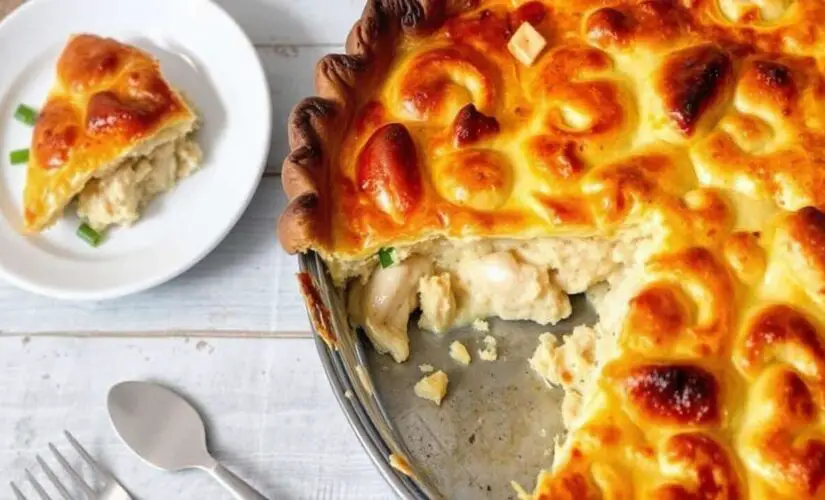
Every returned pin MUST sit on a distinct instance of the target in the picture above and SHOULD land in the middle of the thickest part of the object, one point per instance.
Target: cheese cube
(526, 44)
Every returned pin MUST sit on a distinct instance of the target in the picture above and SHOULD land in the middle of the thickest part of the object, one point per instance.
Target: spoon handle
(235, 485)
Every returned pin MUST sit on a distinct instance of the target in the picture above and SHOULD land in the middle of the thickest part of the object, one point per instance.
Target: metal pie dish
(497, 424)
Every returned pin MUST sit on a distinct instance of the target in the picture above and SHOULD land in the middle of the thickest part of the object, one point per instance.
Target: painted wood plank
(291, 74)
(246, 285)
(295, 22)
(271, 415)
(7, 6)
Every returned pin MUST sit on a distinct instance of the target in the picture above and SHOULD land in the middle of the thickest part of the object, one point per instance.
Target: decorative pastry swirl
(578, 102)
(435, 85)
(704, 465)
(784, 354)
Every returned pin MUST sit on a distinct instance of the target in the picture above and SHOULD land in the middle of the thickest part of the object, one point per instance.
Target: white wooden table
(231, 333)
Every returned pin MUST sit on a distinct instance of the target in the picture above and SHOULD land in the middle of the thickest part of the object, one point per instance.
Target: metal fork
(110, 489)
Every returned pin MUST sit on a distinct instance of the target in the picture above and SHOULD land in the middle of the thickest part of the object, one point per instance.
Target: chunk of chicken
(383, 305)
(438, 307)
(499, 284)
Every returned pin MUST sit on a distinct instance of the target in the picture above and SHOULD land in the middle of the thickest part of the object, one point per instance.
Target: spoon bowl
(159, 425)
(163, 429)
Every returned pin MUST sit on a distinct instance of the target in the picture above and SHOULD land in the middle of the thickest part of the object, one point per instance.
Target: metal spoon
(166, 431)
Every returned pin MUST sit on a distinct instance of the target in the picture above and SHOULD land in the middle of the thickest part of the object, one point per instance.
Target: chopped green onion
(89, 235)
(19, 157)
(25, 114)
(386, 256)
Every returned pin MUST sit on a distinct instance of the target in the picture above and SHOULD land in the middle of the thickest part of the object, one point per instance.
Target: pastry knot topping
(529, 12)
(710, 475)
(802, 243)
(440, 82)
(56, 133)
(581, 103)
(648, 20)
(471, 126)
(554, 158)
(774, 75)
(387, 171)
(771, 85)
(692, 81)
(780, 333)
(130, 114)
(779, 441)
(656, 317)
(755, 11)
(487, 29)
(88, 61)
(679, 394)
(609, 26)
(479, 179)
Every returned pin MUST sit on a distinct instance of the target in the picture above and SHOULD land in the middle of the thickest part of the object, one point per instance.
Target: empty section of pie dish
(462, 448)
(662, 156)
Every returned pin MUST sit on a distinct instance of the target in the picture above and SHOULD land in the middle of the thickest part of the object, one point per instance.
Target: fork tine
(53, 478)
(39, 489)
(85, 455)
(17, 492)
(90, 494)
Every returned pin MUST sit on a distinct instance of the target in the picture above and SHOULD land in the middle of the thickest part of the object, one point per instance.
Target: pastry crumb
(348, 394)
(490, 351)
(568, 365)
(432, 387)
(459, 353)
(426, 368)
(481, 325)
(401, 464)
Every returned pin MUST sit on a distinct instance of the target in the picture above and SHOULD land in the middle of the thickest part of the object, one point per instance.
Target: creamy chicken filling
(121, 196)
(456, 283)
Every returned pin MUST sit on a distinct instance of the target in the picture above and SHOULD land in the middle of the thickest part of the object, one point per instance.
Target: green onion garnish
(19, 157)
(25, 114)
(386, 256)
(89, 235)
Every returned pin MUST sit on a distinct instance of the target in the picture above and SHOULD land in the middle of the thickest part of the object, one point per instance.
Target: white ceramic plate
(202, 52)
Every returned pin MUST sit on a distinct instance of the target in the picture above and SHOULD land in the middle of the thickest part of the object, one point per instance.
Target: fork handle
(235, 485)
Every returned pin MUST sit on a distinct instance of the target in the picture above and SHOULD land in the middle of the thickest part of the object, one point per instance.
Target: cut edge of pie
(735, 249)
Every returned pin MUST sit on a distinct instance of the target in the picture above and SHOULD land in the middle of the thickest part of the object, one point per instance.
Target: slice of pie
(490, 157)
(113, 134)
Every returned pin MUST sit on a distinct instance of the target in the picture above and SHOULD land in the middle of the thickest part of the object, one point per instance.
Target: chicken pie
(475, 158)
(113, 134)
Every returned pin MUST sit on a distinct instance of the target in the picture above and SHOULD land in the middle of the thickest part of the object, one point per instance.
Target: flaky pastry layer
(703, 119)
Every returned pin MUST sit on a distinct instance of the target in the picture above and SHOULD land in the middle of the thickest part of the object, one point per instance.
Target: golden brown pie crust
(108, 97)
(705, 118)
